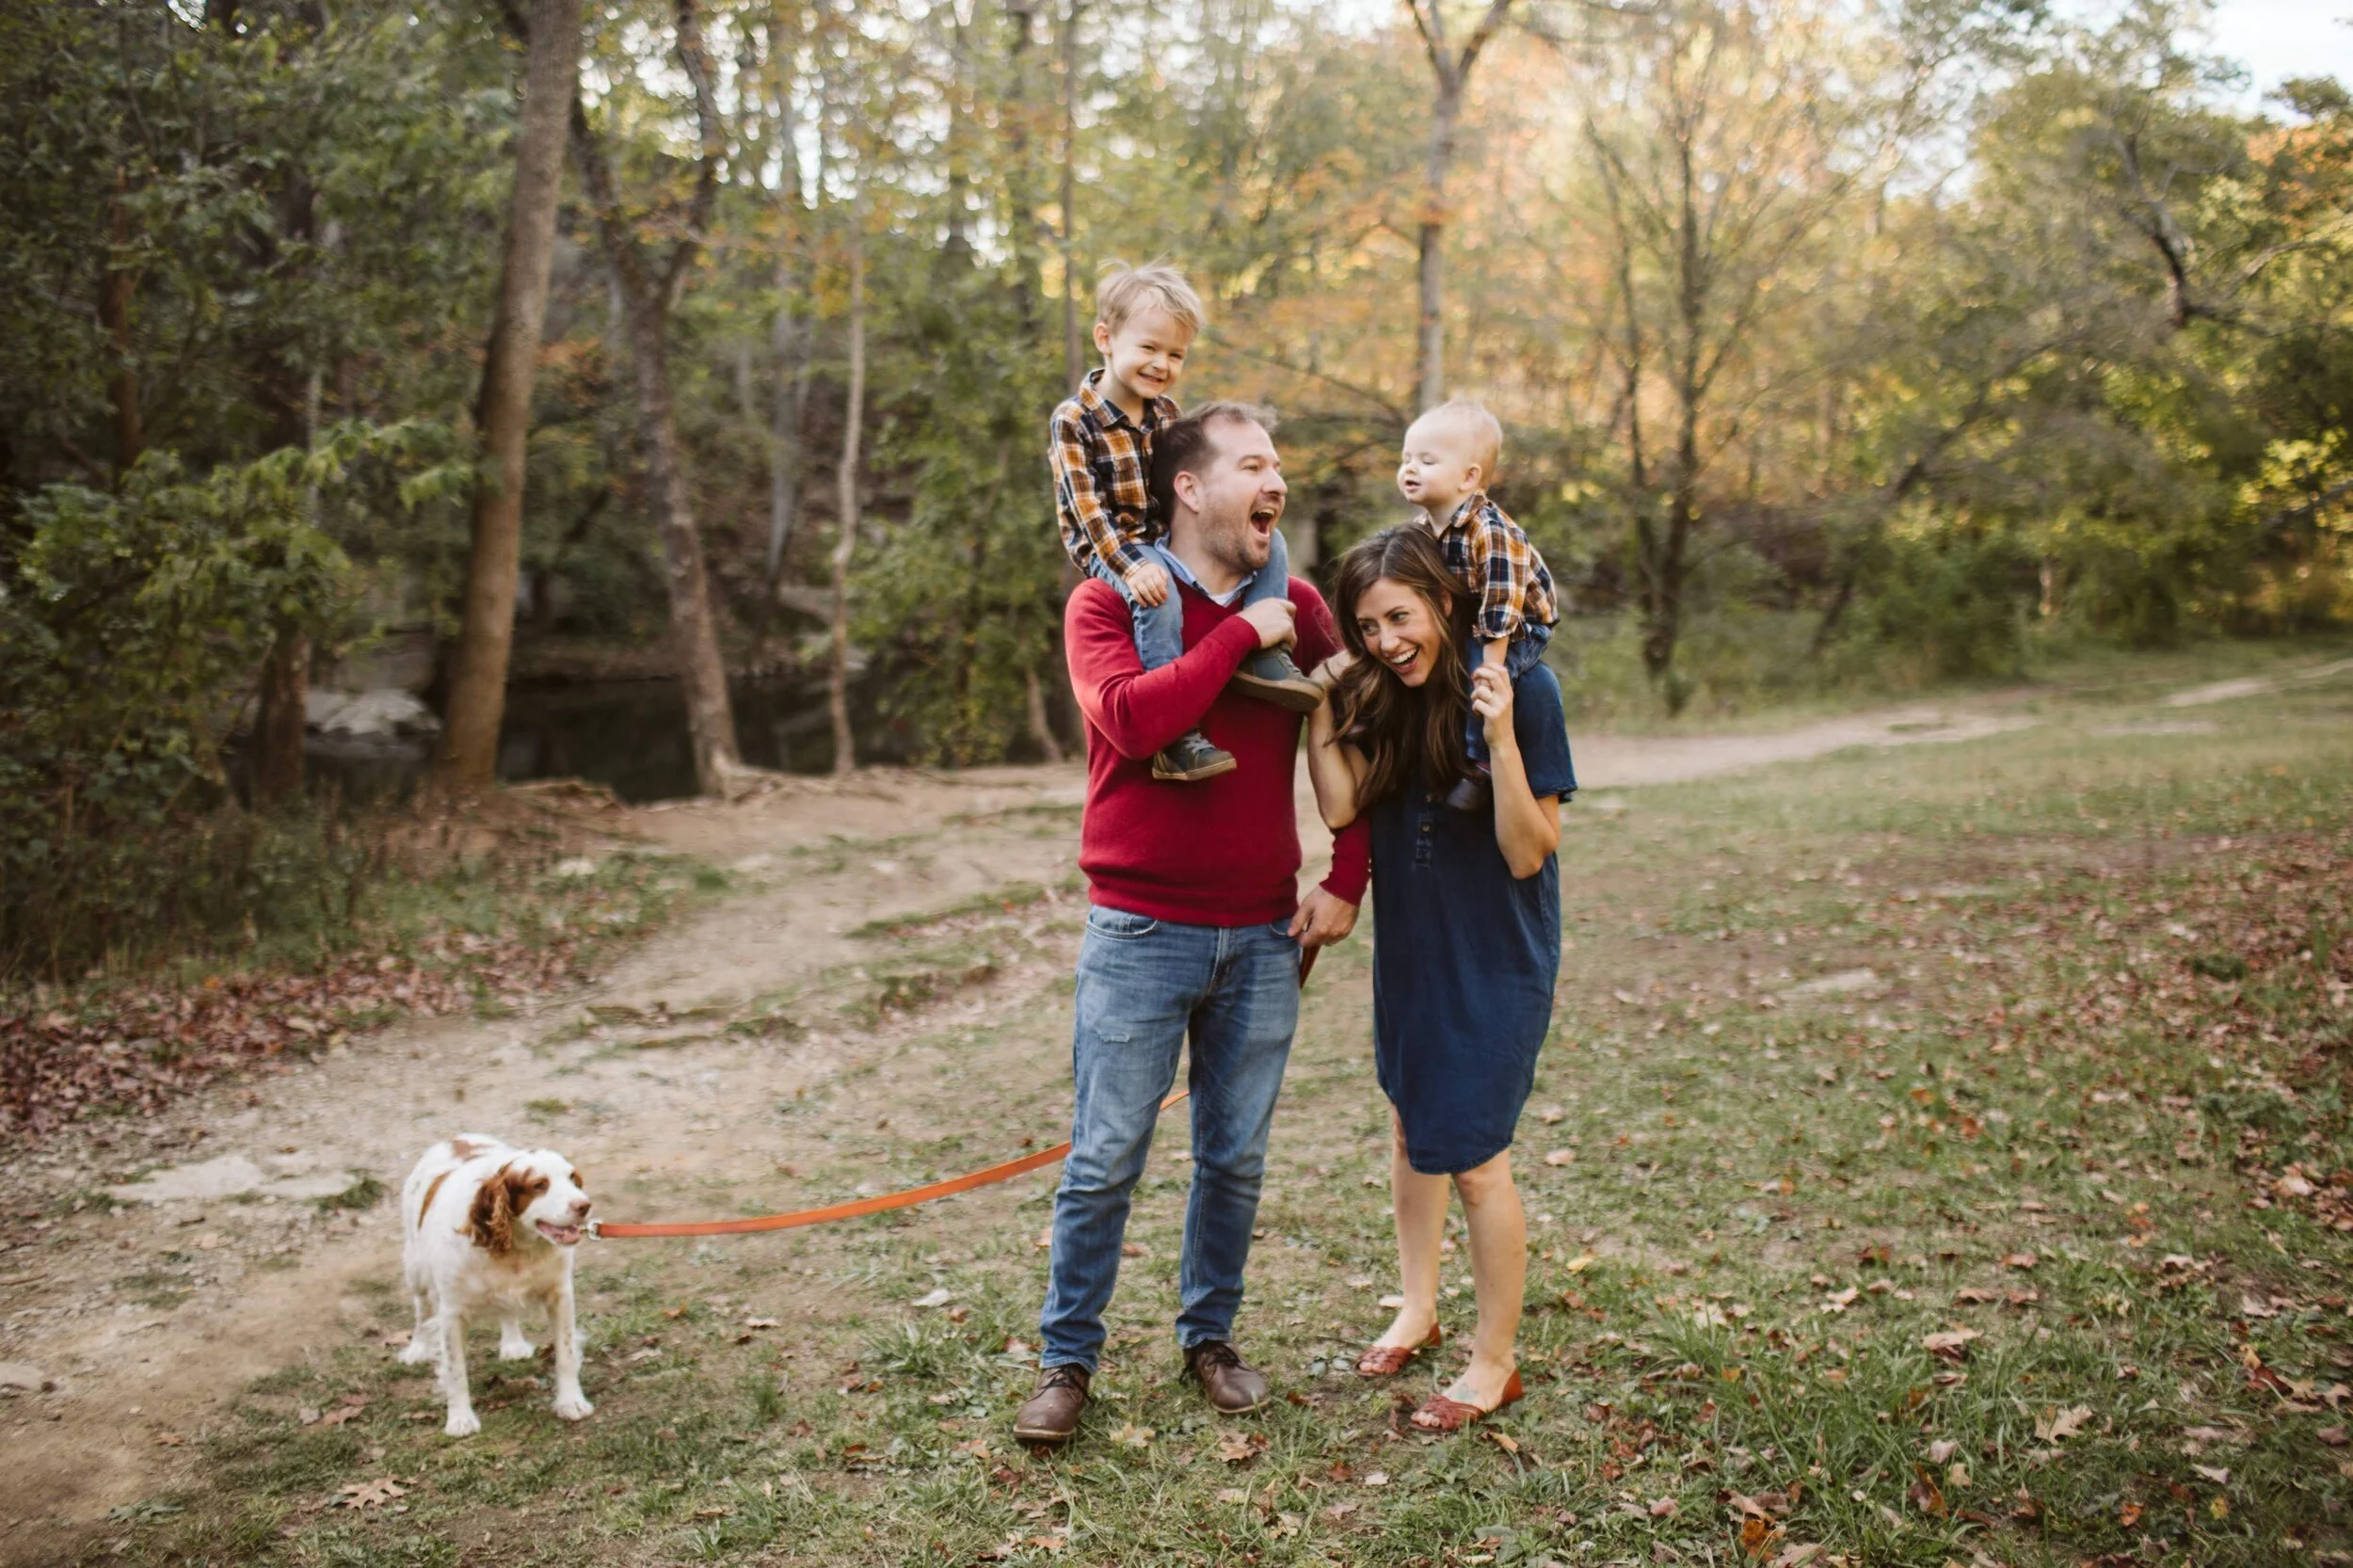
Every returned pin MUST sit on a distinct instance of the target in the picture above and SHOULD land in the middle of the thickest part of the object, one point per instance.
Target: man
(1194, 927)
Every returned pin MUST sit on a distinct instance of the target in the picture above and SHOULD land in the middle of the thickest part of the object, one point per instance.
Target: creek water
(630, 736)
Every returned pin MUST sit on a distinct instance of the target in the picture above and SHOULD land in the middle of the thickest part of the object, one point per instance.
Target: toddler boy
(1449, 461)
(1146, 318)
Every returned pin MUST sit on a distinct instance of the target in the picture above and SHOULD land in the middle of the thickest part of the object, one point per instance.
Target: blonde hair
(1485, 431)
(1126, 290)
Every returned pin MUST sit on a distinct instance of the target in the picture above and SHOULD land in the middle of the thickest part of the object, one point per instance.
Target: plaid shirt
(1102, 465)
(1491, 557)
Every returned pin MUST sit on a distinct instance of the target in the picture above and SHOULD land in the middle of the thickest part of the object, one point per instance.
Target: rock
(23, 1374)
(377, 714)
(1841, 984)
(227, 1176)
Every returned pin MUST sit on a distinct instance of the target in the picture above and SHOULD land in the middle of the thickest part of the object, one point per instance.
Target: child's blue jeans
(1522, 654)
(1160, 628)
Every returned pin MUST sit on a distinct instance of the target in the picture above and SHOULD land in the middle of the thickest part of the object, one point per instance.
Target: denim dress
(1464, 955)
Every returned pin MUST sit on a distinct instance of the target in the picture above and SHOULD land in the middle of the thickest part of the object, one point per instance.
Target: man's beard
(1237, 545)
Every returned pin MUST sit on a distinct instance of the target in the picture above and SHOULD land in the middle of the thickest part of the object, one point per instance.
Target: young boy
(1101, 454)
(1449, 459)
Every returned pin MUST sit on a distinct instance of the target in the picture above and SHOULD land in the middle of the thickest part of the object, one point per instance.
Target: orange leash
(882, 1204)
(878, 1204)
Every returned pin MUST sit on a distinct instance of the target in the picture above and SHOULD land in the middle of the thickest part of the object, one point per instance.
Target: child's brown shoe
(1190, 758)
(1270, 675)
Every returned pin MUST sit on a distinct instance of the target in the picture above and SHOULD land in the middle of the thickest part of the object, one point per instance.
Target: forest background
(1835, 343)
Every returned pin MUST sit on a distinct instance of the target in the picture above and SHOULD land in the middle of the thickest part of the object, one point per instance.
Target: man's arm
(1082, 501)
(1140, 711)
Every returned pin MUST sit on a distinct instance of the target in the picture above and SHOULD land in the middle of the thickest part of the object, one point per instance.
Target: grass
(1745, 666)
(2023, 1249)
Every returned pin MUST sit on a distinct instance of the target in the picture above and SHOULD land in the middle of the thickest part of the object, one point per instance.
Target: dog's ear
(492, 1219)
(522, 1187)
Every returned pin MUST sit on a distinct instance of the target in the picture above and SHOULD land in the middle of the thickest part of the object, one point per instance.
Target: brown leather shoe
(1233, 1387)
(1051, 1416)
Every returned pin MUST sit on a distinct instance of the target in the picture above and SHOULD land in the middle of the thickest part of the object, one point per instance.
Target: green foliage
(1951, 602)
(136, 623)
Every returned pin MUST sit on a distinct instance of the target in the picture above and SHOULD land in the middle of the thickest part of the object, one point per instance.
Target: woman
(1467, 943)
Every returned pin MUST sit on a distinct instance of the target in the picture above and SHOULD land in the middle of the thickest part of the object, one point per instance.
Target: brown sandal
(1387, 1361)
(1445, 1417)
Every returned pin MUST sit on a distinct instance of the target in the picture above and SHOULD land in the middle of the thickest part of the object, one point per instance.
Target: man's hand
(1322, 920)
(1150, 582)
(1273, 619)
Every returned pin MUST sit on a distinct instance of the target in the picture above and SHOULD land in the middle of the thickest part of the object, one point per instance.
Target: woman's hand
(1491, 700)
(1327, 675)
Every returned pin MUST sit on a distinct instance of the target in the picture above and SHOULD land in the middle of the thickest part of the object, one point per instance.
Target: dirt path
(127, 1331)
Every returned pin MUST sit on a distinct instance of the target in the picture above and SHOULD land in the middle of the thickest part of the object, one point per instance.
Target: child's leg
(1521, 654)
(1527, 651)
(1160, 628)
(1273, 580)
(1474, 728)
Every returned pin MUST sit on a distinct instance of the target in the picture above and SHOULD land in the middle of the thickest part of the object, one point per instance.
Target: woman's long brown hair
(1405, 733)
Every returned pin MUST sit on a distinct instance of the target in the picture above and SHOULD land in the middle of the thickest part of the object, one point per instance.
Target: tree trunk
(467, 757)
(1074, 363)
(789, 344)
(1041, 732)
(853, 430)
(1450, 68)
(646, 296)
(278, 728)
(693, 628)
(1429, 377)
(115, 288)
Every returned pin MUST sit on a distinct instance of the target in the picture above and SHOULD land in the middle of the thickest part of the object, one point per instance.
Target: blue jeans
(1521, 654)
(1143, 984)
(1160, 628)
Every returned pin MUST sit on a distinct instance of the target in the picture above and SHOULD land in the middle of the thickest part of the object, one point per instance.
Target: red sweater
(1224, 851)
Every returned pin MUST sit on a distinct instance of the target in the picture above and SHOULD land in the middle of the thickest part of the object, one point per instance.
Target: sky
(2279, 39)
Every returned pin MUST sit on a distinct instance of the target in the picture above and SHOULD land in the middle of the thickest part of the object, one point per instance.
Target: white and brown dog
(489, 1230)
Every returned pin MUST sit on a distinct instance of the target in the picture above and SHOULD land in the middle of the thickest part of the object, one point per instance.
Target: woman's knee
(1485, 1184)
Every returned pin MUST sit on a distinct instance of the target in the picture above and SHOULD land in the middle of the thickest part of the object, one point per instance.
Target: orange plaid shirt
(1493, 557)
(1102, 466)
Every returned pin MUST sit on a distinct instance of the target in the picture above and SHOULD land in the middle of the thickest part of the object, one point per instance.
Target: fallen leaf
(2020, 1260)
(1240, 1447)
(1134, 1436)
(2219, 1474)
(2057, 1426)
(940, 1297)
(2128, 1515)
(1503, 1440)
(2333, 1437)
(369, 1494)
(1551, 1114)
(1957, 1476)
(761, 1322)
(1756, 1537)
(1798, 1555)
(1341, 1510)
(1941, 1450)
(1579, 1264)
(1951, 1344)
(1665, 1508)
(1232, 1494)
(2255, 1306)
(1560, 1157)
(1376, 1478)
